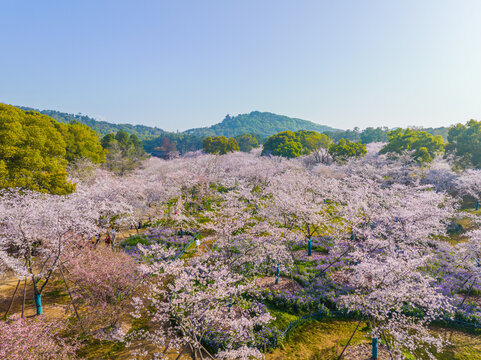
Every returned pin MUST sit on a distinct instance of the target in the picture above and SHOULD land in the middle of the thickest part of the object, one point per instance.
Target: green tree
(290, 149)
(246, 142)
(274, 142)
(424, 145)
(370, 135)
(282, 143)
(81, 142)
(219, 145)
(125, 152)
(464, 142)
(107, 140)
(345, 149)
(123, 138)
(32, 152)
(134, 139)
(311, 140)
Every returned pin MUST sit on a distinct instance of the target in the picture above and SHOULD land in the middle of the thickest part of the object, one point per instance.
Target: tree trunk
(38, 303)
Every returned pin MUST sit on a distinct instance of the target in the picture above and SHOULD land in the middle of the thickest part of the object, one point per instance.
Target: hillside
(101, 127)
(259, 123)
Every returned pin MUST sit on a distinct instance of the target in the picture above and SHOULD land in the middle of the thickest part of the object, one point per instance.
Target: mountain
(102, 127)
(258, 123)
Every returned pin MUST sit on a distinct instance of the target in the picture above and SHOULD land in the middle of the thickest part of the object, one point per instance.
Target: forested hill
(102, 127)
(259, 123)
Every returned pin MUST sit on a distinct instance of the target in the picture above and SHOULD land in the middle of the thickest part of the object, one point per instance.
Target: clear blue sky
(182, 64)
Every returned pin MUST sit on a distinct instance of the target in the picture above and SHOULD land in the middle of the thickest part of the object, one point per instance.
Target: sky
(183, 64)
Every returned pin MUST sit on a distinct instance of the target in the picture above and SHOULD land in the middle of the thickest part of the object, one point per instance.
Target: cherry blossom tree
(37, 229)
(193, 302)
(105, 280)
(34, 339)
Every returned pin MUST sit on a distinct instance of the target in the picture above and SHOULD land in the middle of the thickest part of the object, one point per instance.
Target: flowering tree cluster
(36, 339)
(369, 234)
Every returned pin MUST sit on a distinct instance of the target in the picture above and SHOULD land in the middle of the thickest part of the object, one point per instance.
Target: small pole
(11, 301)
(340, 356)
(309, 247)
(71, 298)
(278, 272)
(230, 304)
(477, 205)
(24, 295)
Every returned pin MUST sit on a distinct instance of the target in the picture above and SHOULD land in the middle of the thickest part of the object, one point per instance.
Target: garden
(243, 256)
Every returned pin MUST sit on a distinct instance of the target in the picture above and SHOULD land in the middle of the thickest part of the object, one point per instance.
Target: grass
(465, 346)
(282, 318)
(101, 349)
(319, 340)
(325, 339)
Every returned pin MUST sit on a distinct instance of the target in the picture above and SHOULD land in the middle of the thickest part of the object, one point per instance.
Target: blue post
(309, 247)
(352, 236)
(278, 272)
(38, 302)
(230, 304)
(374, 348)
(477, 205)
(324, 201)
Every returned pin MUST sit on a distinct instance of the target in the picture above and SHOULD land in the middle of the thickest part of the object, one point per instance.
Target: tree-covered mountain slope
(102, 127)
(259, 123)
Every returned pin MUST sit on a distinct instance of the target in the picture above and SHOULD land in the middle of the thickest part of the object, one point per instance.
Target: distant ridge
(258, 123)
(101, 127)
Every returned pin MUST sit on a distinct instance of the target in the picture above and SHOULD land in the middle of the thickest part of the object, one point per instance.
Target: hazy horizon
(185, 64)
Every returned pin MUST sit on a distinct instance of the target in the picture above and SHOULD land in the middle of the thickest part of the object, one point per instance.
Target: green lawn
(325, 340)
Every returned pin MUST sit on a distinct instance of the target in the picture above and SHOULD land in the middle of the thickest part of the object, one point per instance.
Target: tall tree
(32, 152)
(422, 146)
(464, 143)
(81, 143)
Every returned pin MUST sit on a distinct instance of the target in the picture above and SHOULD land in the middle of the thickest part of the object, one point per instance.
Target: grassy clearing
(282, 318)
(101, 349)
(324, 340)
(318, 340)
(465, 346)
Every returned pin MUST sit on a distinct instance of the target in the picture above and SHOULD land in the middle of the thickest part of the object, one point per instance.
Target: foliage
(424, 146)
(219, 145)
(465, 144)
(125, 152)
(32, 152)
(101, 127)
(81, 143)
(345, 149)
(247, 142)
(183, 142)
(263, 124)
(293, 144)
(379, 134)
(374, 135)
